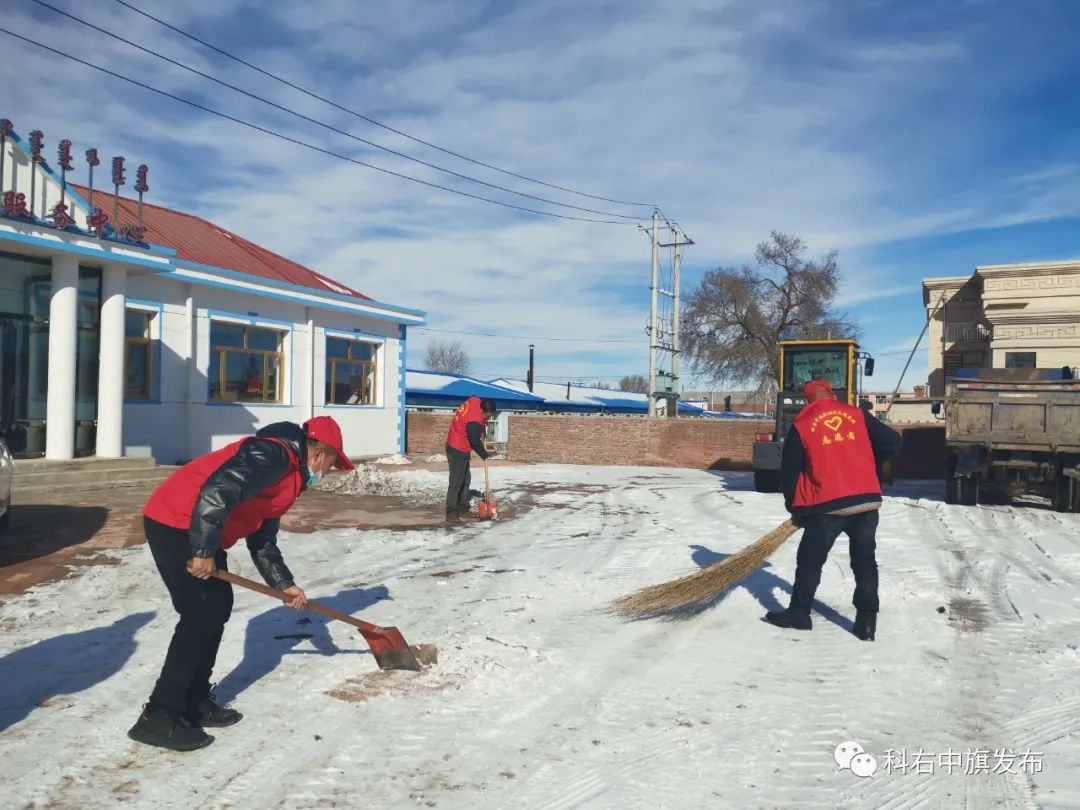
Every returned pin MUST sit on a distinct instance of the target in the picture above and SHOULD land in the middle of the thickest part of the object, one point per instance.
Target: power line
(520, 337)
(299, 142)
(368, 119)
(323, 124)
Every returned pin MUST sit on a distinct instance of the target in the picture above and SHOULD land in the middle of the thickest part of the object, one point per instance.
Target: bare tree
(735, 318)
(634, 384)
(447, 356)
(603, 386)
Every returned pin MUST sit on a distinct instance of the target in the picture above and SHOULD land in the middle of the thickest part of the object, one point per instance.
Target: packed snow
(396, 459)
(541, 698)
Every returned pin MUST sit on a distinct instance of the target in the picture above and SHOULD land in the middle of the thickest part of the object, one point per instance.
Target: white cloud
(737, 117)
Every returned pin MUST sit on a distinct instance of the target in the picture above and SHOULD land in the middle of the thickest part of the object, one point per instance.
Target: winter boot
(158, 727)
(209, 713)
(788, 620)
(865, 625)
(453, 517)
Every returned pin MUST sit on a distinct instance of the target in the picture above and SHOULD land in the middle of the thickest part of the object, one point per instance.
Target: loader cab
(833, 360)
(838, 362)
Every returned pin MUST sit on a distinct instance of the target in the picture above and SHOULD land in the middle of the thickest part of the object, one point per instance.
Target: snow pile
(435, 459)
(419, 486)
(395, 458)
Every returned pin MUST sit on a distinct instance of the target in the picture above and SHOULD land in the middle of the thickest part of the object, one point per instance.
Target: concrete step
(39, 466)
(88, 480)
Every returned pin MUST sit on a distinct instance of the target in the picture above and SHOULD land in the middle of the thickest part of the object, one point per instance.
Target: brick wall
(635, 441)
(922, 455)
(425, 433)
(629, 440)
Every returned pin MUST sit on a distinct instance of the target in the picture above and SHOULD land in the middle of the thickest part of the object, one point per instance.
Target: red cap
(813, 386)
(324, 429)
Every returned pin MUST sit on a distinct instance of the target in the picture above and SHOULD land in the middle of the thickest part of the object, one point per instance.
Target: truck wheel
(767, 480)
(965, 490)
(1062, 500)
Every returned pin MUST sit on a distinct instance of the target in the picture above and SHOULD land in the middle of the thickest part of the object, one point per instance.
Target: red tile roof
(196, 240)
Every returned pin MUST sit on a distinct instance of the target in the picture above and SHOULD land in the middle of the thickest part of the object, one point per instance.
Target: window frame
(223, 352)
(1034, 359)
(152, 314)
(377, 345)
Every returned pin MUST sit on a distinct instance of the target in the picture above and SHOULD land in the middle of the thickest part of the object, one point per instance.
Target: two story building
(1003, 316)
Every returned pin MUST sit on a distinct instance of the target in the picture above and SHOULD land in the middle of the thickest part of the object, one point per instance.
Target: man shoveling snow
(466, 436)
(191, 520)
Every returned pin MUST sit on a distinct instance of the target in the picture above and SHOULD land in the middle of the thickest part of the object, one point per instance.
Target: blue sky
(916, 138)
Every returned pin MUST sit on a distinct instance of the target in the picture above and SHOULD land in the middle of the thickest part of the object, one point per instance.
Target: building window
(1019, 359)
(245, 363)
(138, 353)
(880, 399)
(350, 371)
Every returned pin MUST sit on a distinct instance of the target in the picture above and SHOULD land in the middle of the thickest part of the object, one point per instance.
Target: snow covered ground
(542, 699)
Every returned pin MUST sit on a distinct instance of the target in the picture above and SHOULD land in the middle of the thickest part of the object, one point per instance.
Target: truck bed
(1040, 416)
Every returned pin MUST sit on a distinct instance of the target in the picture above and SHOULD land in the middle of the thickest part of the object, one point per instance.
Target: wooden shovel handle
(487, 482)
(364, 627)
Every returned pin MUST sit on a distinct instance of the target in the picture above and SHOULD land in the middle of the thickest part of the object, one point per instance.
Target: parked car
(6, 473)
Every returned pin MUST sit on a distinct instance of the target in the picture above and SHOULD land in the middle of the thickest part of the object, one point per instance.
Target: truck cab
(836, 361)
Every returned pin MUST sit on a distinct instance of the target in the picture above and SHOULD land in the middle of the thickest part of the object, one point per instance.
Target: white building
(177, 339)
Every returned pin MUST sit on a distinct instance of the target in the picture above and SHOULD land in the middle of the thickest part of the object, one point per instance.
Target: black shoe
(211, 714)
(788, 620)
(865, 625)
(452, 517)
(157, 727)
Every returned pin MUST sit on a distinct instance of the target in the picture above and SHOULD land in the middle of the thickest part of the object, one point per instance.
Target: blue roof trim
(280, 296)
(402, 354)
(284, 285)
(64, 247)
(76, 196)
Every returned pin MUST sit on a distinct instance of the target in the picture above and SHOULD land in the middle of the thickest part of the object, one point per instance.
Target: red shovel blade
(391, 650)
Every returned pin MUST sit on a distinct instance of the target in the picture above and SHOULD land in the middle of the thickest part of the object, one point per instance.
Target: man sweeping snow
(466, 436)
(191, 520)
(830, 479)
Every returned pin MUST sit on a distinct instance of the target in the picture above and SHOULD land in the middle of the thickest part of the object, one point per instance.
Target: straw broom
(689, 596)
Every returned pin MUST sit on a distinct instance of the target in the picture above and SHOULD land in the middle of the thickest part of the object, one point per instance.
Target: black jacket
(256, 465)
(884, 441)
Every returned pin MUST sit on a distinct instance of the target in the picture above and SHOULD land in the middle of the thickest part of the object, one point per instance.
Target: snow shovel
(488, 509)
(387, 644)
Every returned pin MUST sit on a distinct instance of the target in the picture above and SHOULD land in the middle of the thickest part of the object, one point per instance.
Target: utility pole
(653, 332)
(673, 402)
(532, 365)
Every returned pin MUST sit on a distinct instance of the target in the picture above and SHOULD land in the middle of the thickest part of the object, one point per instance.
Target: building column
(63, 336)
(111, 373)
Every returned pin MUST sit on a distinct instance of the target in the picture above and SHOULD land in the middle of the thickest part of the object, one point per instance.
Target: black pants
(819, 534)
(204, 607)
(457, 493)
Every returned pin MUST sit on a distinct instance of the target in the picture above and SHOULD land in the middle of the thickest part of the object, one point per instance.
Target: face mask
(313, 477)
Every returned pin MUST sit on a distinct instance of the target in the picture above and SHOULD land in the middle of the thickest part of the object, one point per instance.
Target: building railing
(967, 333)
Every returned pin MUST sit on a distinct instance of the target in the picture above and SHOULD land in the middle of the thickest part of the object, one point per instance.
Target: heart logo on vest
(834, 423)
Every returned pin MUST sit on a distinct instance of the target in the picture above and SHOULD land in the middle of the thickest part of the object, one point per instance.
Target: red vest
(839, 459)
(174, 499)
(469, 411)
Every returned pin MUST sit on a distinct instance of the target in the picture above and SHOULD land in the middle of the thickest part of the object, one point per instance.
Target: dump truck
(1011, 433)
(837, 361)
